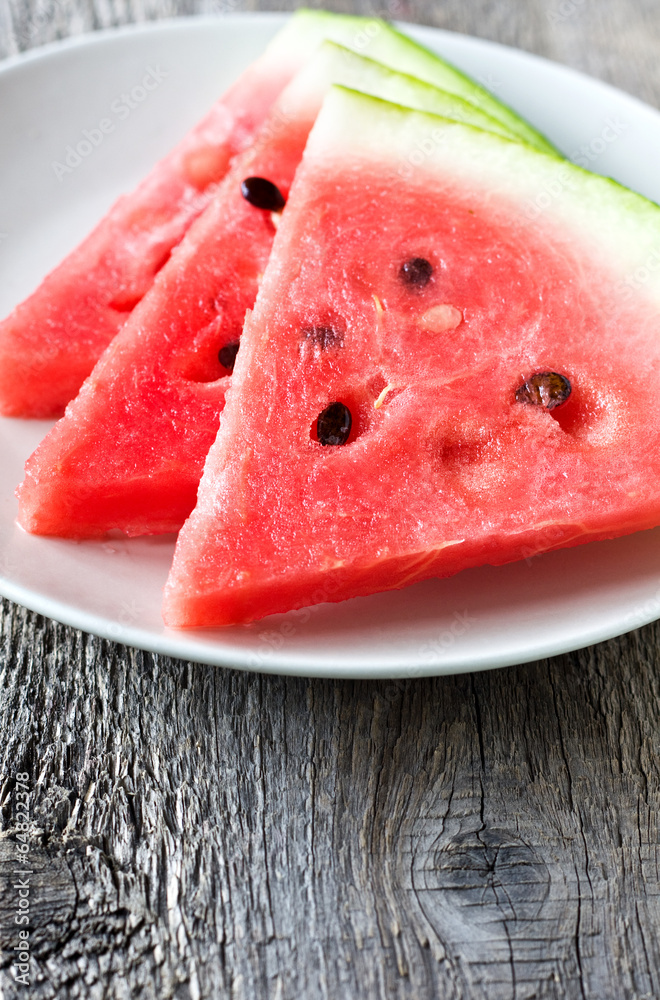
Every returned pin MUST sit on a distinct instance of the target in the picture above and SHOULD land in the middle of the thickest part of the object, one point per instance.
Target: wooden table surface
(199, 832)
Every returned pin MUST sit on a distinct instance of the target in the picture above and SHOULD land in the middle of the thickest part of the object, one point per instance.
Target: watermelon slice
(436, 375)
(50, 343)
(130, 450)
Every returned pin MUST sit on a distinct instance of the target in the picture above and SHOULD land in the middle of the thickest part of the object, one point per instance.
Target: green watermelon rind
(336, 64)
(379, 79)
(379, 40)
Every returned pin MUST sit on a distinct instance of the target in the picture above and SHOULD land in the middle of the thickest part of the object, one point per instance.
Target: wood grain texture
(197, 832)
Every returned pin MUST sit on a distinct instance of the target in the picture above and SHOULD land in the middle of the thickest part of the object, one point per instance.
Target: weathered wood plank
(197, 832)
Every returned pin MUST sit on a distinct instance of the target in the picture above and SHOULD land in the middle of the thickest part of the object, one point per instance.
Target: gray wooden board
(198, 832)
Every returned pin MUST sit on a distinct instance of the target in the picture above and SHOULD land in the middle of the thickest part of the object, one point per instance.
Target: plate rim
(181, 645)
(172, 23)
(291, 664)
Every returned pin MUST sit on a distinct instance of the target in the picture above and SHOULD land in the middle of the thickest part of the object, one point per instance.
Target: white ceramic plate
(481, 618)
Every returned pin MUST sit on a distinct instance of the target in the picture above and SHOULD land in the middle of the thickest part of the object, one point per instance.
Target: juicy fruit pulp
(130, 450)
(50, 343)
(444, 467)
(52, 340)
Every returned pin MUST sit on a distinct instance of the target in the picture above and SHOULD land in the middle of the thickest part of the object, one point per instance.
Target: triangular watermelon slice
(130, 450)
(50, 343)
(436, 374)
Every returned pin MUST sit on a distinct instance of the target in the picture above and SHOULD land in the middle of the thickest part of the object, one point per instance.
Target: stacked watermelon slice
(418, 377)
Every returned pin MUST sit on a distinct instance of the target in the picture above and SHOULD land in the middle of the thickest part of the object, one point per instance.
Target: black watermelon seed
(323, 336)
(227, 355)
(333, 425)
(547, 389)
(262, 194)
(417, 271)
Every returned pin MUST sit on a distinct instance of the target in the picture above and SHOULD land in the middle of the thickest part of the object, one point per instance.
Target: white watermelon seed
(381, 399)
(439, 319)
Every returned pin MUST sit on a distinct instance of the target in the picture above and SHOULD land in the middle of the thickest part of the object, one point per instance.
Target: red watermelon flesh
(50, 343)
(130, 450)
(446, 466)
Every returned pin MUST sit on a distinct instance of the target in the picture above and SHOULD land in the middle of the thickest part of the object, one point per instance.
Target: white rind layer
(335, 64)
(376, 39)
(616, 228)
